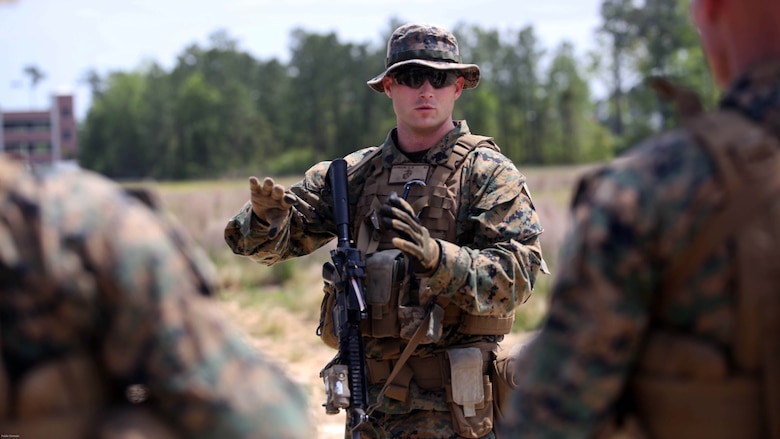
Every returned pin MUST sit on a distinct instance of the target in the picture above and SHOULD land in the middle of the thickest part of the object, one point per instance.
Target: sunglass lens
(416, 77)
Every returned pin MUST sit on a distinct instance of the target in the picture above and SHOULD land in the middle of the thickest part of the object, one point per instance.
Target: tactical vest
(685, 387)
(67, 397)
(402, 308)
(396, 298)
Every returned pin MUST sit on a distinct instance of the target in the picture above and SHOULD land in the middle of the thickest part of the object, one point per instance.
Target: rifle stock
(350, 307)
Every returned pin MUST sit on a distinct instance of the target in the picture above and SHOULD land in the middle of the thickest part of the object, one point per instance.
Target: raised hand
(271, 203)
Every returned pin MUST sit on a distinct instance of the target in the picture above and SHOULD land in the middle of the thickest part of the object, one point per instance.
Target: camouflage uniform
(629, 221)
(489, 270)
(88, 272)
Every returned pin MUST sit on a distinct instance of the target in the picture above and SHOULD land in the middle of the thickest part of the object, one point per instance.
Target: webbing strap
(407, 352)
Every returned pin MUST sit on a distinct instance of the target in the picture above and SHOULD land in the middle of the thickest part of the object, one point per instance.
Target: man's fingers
(408, 248)
(404, 230)
(272, 190)
(277, 192)
(395, 201)
(268, 186)
(289, 199)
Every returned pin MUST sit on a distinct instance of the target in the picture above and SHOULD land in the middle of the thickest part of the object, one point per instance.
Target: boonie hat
(426, 45)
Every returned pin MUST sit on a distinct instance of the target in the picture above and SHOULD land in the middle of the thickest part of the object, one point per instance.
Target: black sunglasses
(415, 77)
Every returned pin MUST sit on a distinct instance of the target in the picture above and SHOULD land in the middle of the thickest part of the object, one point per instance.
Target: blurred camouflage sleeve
(493, 266)
(153, 323)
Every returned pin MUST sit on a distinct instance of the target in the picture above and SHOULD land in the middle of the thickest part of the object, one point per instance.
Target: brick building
(42, 137)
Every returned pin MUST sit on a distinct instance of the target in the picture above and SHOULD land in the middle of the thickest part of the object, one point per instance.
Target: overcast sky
(65, 38)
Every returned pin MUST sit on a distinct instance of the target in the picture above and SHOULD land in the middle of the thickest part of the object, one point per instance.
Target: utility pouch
(414, 306)
(326, 330)
(671, 409)
(469, 393)
(682, 389)
(385, 271)
(504, 378)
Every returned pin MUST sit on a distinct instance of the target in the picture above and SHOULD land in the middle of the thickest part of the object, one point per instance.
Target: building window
(66, 135)
(26, 126)
(65, 112)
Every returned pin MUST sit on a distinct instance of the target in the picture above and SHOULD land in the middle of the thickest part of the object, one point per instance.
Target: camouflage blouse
(87, 270)
(488, 271)
(628, 220)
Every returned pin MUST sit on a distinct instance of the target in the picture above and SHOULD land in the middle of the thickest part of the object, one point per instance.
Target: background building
(42, 137)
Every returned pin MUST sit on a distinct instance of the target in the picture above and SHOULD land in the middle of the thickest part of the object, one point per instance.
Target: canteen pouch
(326, 330)
(469, 393)
(385, 272)
(504, 378)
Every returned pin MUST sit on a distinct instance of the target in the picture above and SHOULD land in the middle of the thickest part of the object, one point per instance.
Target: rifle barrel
(338, 183)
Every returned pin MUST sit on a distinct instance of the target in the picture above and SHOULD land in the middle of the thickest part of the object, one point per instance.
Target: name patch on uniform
(404, 173)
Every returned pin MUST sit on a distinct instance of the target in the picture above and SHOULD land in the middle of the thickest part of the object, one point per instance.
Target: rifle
(345, 376)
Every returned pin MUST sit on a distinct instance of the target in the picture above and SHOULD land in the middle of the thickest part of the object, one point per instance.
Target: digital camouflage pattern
(86, 269)
(628, 220)
(420, 424)
(488, 271)
(426, 45)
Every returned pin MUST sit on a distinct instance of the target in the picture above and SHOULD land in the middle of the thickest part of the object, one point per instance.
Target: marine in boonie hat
(426, 45)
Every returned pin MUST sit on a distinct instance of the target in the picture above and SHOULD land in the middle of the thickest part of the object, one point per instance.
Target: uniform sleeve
(493, 266)
(310, 225)
(573, 371)
(156, 327)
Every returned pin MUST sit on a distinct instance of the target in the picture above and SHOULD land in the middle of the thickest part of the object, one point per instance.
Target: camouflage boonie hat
(427, 45)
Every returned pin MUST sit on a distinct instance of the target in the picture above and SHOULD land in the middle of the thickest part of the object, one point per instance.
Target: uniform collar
(756, 94)
(436, 155)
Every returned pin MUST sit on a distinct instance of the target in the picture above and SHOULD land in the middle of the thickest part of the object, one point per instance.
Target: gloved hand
(270, 203)
(414, 239)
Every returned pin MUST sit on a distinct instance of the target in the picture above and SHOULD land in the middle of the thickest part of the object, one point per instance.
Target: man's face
(426, 108)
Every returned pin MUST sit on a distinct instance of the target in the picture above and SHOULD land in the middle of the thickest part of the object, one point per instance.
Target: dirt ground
(301, 354)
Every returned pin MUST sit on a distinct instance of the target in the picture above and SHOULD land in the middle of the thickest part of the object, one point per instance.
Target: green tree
(664, 29)
(572, 132)
(112, 140)
(197, 140)
(620, 29)
(481, 106)
(156, 122)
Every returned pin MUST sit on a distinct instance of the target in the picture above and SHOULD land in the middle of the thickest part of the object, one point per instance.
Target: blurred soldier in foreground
(665, 315)
(450, 239)
(106, 330)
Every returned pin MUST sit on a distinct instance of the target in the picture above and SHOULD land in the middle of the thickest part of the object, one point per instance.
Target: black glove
(413, 238)
(270, 203)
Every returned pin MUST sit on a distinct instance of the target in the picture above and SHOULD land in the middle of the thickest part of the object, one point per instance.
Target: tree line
(222, 112)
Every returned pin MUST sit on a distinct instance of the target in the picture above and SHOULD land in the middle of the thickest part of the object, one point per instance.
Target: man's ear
(387, 83)
(459, 86)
